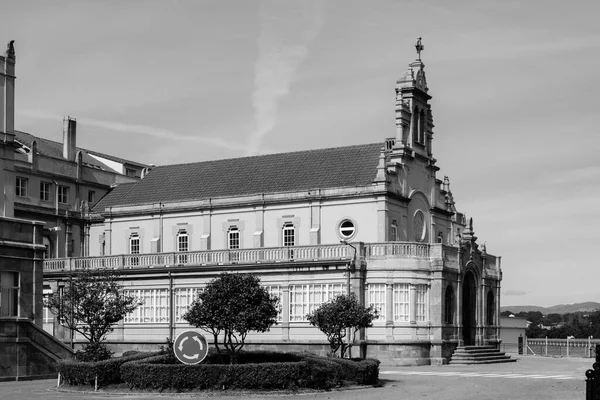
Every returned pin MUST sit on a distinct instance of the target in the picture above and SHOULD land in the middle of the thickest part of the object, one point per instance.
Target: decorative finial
(419, 46)
(10, 48)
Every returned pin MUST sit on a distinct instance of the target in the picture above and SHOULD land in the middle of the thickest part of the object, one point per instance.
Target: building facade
(370, 219)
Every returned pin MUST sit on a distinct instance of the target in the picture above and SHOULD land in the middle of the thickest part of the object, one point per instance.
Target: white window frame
(345, 232)
(21, 186)
(154, 308)
(275, 290)
(288, 238)
(401, 302)
(183, 241)
(183, 298)
(233, 238)
(306, 298)
(377, 296)
(421, 292)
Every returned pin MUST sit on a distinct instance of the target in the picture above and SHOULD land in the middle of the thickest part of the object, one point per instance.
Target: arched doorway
(469, 306)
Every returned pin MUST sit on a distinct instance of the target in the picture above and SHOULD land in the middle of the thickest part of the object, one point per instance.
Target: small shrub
(107, 372)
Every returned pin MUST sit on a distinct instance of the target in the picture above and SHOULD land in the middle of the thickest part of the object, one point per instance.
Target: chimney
(69, 138)
(7, 96)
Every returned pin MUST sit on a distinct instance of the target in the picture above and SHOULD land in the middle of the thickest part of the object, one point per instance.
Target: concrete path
(529, 378)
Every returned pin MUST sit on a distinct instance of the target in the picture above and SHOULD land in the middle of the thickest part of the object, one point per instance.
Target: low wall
(27, 351)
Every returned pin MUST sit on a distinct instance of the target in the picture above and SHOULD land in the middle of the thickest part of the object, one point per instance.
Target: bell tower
(414, 120)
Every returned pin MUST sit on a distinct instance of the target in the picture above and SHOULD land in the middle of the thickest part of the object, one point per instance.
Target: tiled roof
(337, 167)
(54, 149)
(114, 196)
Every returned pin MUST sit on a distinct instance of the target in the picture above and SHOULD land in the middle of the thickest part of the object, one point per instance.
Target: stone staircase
(479, 355)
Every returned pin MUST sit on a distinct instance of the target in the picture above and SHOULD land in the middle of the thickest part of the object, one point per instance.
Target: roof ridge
(274, 154)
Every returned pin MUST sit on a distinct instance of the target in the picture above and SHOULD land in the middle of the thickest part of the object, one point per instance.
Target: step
(469, 359)
(460, 362)
(479, 353)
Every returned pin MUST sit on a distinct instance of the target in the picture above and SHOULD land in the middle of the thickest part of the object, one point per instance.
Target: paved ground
(528, 378)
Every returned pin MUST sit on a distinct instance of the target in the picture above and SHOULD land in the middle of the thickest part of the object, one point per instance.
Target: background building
(372, 219)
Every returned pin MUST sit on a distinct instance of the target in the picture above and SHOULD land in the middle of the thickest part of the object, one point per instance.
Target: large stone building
(372, 219)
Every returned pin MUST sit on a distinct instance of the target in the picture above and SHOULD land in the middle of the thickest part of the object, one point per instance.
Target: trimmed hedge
(358, 370)
(271, 371)
(84, 373)
(155, 373)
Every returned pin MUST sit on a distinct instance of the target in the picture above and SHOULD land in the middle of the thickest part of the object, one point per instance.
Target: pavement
(529, 378)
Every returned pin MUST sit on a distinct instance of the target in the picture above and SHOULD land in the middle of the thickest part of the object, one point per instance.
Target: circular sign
(190, 347)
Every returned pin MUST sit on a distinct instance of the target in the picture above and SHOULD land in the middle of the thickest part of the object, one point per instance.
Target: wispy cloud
(514, 292)
(282, 44)
(136, 129)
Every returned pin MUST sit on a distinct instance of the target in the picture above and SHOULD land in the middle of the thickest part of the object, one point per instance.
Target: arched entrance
(469, 306)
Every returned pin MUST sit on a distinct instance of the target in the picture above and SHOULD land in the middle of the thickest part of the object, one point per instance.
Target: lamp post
(349, 268)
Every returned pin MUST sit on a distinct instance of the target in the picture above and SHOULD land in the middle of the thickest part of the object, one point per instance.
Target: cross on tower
(419, 46)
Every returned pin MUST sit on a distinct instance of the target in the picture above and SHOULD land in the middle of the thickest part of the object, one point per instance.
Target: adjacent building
(372, 219)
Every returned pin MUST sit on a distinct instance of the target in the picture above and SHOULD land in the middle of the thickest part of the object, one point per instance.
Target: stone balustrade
(334, 252)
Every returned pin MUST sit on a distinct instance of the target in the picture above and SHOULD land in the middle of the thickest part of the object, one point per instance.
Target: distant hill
(558, 309)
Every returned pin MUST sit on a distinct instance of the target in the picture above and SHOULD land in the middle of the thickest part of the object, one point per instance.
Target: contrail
(285, 35)
(137, 129)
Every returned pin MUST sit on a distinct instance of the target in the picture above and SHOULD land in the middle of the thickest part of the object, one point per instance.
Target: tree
(233, 305)
(338, 316)
(91, 302)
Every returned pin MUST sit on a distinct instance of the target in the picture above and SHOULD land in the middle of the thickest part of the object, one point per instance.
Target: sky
(514, 83)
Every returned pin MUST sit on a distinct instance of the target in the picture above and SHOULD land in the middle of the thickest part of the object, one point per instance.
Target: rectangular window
(63, 194)
(182, 246)
(130, 172)
(21, 187)
(421, 311)
(134, 248)
(91, 197)
(289, 239)
(401, 302)
(276, 291)
(155, 307)
(45, 188)
(377, 299)
(183, 298)
(233, 238)
(393, 232)
(305, 298)
(288, 235)
(9, 294)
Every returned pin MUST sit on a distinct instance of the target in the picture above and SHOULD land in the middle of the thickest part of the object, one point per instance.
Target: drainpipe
(171, 307)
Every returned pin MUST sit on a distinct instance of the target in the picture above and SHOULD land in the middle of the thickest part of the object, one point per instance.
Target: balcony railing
(210, 257)
(397, 249)
(372, 251)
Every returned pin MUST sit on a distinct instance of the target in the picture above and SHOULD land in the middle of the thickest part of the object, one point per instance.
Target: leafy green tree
(91, 303)
(338, 316)
(233, 305)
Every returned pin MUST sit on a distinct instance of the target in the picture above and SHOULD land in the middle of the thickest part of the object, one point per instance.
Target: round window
(419, 227)
(347, 229)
